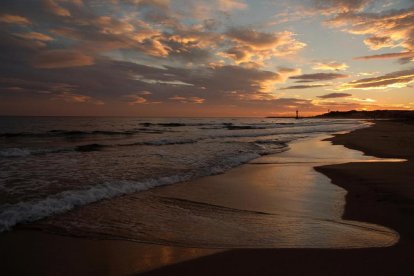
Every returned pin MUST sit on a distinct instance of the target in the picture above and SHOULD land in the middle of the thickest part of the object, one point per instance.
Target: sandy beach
(206, 137)
(379, 198)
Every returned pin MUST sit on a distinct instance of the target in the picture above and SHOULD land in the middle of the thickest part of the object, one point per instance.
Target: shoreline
(249, 261)
(387, 204)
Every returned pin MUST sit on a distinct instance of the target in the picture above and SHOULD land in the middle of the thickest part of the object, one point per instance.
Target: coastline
(389, 204)
(270, 261)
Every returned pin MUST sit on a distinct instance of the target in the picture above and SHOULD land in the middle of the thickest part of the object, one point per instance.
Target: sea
(51, 165)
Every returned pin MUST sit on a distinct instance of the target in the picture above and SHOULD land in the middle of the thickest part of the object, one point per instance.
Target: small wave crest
(24, 152)
(163, 142)
(28, 211)
(77, 133)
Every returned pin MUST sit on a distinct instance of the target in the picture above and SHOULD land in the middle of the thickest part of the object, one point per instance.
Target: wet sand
(49, 254)
(381, 193)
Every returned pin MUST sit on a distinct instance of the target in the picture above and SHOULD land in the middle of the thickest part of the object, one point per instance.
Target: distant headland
(375, 114)
(356, 114)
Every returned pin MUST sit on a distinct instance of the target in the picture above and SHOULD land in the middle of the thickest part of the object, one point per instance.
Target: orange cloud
(340, 6)
(378, 42)
(54, 8)
(136, 100)
(330, 66)
(35, 36)
(77, 98)
(384, 30)
(252, 45)
(61, 59)
(14, 19)
(397, 79)
(229, 5)
(194, 100)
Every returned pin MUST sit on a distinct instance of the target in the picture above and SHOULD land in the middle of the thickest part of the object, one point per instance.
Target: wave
(163, 124)
(24, 152)
(90, 147)
(163, 142)
(77, 133)
(311, 129)
(23, 212)
(150, 128)
(235, 127)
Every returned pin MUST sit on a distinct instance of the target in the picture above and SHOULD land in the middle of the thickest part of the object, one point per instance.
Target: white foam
(65, 201)
(24, 152)
(29, 211)
(163, 142)
(14, 152)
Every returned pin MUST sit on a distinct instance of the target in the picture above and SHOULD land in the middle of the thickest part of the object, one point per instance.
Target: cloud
(319, 77)
(76, 98)
(340, 6)
(330, 66)
(378, 42)
(194, 100)
(253, 45)
(229, 5)
(54, 8)
(135, 53)
(61, 59)
(303, 86)
(387, 56)
(386, 29)
(135, 99)
(35, 36)
(14, 19)
(397, 79)
(254, 38)
(335, 95)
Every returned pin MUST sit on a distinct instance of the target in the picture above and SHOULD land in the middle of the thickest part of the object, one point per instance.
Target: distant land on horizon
(360, 114)
(374, 114)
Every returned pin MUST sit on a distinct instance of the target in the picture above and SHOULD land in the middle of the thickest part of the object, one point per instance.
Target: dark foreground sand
(380, 193)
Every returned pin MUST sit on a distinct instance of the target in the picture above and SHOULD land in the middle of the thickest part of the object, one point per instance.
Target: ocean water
(50, 165)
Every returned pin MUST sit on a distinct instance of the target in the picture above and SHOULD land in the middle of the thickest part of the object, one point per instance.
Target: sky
(202, 58)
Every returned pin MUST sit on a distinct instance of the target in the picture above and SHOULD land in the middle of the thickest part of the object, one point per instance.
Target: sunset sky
(205, 57)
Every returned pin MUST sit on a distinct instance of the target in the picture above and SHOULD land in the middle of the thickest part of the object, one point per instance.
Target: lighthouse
(297, 114)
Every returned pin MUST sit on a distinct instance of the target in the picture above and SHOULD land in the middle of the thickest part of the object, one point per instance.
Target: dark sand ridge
(79, 255)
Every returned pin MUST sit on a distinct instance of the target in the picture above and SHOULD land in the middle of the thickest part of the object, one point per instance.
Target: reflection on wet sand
(48, 254)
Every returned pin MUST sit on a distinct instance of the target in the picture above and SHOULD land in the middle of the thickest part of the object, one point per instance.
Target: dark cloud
(401, 55)
(61, 59)
(335, 95)
(319, 77)
(253, 37)
(303, 86)
(250, 44)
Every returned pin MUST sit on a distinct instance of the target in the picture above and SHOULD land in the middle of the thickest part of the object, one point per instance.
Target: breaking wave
(22, 212)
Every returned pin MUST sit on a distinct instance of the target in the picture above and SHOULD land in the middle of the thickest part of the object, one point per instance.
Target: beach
(363, 222)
